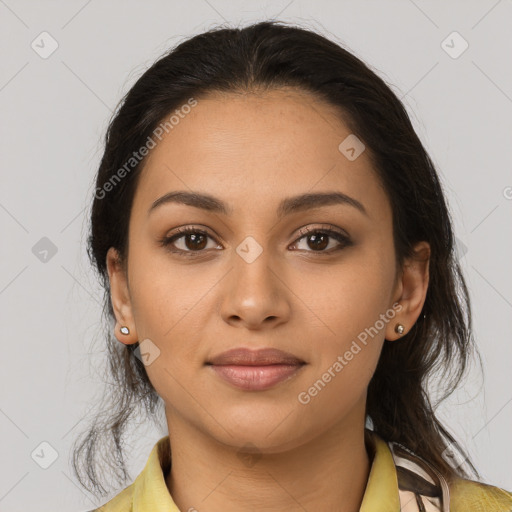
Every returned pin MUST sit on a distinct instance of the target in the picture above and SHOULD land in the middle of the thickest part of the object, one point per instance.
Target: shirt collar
(150, 493)
(382, 488)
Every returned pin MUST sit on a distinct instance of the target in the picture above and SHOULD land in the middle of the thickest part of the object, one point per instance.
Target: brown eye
(191, 240)
(318, 240)
(195, 241)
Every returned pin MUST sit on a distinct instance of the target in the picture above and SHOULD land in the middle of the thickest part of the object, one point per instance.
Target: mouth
(255, 370)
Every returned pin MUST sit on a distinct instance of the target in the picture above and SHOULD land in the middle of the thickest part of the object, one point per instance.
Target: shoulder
(471, 496)
(122, 502)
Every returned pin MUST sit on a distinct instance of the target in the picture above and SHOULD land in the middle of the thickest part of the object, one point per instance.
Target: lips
(261, 357)
(255, 370)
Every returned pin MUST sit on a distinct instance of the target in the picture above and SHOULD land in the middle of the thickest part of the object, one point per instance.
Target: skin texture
(251, 151)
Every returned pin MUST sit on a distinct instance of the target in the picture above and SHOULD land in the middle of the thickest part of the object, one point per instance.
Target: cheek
(354, 316)
(349, 297)
(168, 312)
(351, 313)
(162, 293)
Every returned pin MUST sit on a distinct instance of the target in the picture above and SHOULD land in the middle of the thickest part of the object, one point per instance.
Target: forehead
(256, 148)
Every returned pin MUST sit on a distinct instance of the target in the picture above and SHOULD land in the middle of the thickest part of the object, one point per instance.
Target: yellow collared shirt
(384, 492)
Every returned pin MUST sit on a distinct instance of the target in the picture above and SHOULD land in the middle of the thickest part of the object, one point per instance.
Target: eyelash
(340, 237)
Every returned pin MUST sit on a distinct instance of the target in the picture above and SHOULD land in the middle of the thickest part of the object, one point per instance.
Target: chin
(272, 429)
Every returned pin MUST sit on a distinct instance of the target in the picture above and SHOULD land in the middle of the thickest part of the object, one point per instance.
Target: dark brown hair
(264, 56)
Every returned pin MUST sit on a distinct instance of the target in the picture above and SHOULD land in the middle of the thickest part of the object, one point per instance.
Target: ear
(120, 296)
(410, 290)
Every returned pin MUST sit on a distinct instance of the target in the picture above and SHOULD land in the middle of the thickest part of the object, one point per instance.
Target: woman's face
(256, 278)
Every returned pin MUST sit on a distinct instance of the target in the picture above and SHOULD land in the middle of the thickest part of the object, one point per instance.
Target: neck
(328, 472)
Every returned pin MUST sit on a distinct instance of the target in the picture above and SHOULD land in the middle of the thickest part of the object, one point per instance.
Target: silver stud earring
(399, 328)
(124, 330)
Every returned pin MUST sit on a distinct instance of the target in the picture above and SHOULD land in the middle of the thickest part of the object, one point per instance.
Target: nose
(255, 295)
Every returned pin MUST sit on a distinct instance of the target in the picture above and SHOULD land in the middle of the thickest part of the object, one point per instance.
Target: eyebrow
(286, 206)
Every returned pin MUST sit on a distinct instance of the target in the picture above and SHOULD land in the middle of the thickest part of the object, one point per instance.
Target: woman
(280, 272)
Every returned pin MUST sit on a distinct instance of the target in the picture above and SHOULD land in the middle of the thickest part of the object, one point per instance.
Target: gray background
(54, 112)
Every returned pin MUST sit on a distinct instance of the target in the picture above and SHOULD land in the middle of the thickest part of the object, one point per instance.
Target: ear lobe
(120, 297)
(413, 288)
